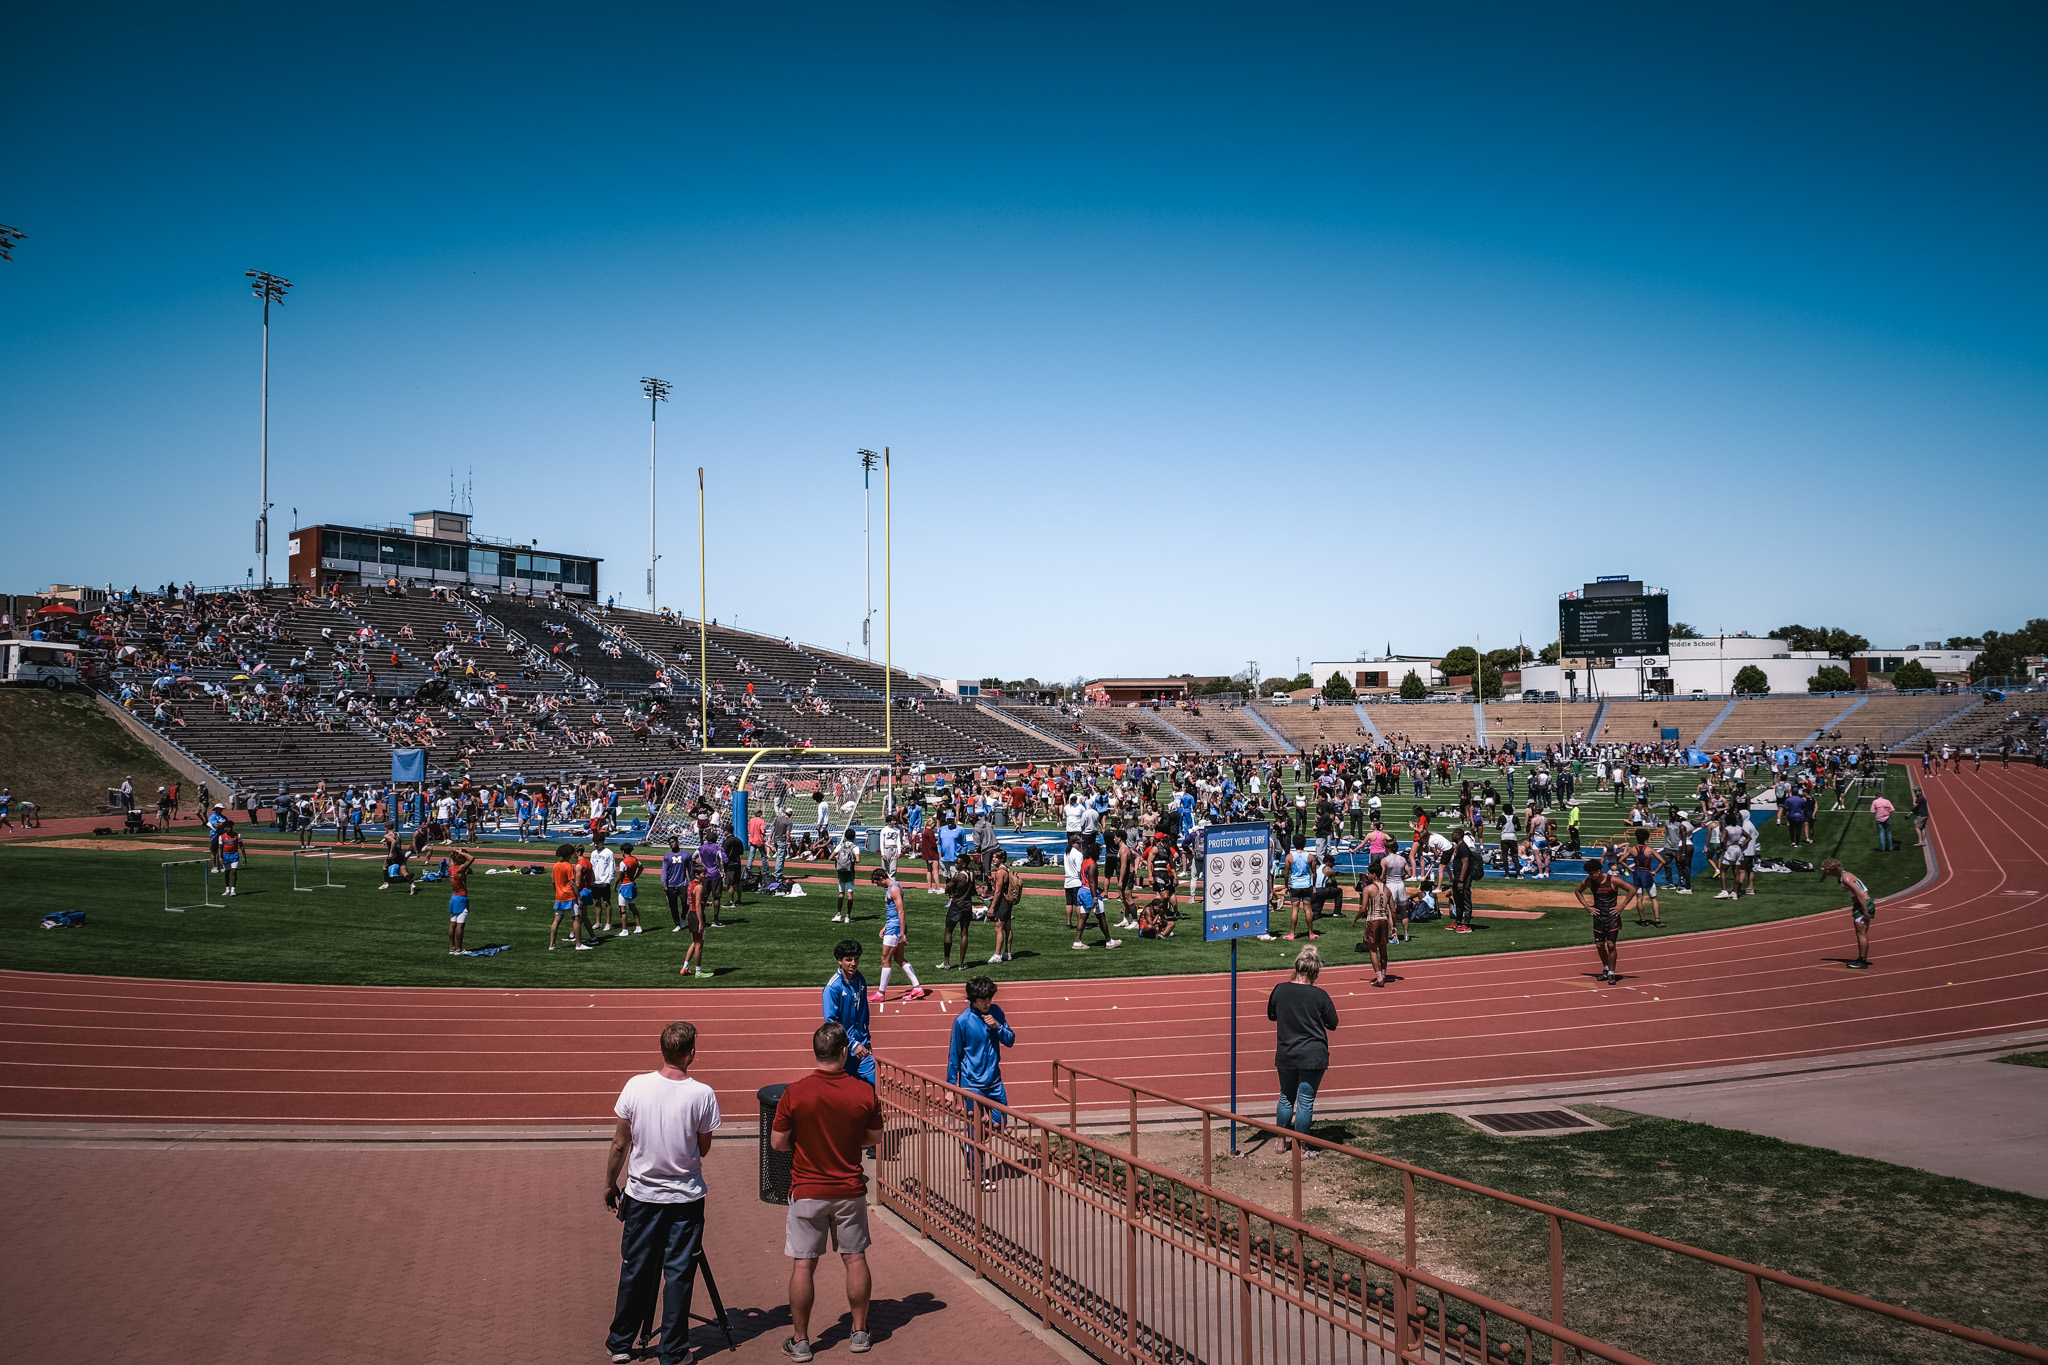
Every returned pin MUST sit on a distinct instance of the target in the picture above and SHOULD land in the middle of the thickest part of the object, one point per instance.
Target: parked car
(1280, 699)
(1699, 694)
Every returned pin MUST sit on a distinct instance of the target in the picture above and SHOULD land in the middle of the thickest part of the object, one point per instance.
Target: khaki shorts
(815, 1222)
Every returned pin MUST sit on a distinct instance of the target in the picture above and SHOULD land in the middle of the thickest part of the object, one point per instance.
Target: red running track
(1965, 956)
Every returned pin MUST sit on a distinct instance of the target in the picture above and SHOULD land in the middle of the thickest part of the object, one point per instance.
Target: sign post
(1237, 865)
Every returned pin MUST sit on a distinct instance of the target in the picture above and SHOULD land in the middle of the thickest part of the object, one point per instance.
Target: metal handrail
(1756, 1274)
(1410, 1344)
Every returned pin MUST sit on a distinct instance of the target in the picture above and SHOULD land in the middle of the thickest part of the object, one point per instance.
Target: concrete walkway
(171, 1251)
(1968, 1117)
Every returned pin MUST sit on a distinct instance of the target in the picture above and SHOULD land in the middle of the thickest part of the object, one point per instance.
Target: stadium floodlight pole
(271, 289)
(657, 394)
(703, 633)
(867, 619)
(888, 623)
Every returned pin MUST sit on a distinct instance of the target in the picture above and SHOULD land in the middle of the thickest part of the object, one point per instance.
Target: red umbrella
(57, 609)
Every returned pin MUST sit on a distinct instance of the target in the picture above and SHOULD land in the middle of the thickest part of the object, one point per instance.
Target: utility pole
(657, 394)
(867, 557)
(271, 289)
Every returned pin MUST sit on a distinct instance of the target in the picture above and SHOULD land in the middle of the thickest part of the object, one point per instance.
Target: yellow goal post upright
(671, 814)
(1479, 691)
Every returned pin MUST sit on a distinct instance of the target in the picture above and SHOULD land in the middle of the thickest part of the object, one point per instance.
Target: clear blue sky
(1199, 335)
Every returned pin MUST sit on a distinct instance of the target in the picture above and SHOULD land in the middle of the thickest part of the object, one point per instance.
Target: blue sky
(1199, 335)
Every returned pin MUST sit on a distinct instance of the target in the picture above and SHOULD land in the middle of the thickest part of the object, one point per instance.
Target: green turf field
(362, 936)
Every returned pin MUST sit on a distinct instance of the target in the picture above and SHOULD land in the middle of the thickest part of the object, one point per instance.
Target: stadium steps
(1187, 743)
(1599, 721)
(1064, 749)
(535, 656)
(1834, 723)
(1700, 740)
(1078, 729)
(1365, 719)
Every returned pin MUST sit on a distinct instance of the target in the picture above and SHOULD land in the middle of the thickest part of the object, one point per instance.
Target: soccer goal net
(700, 797)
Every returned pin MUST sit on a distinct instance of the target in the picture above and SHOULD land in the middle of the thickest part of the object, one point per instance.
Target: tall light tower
(868, 459)
(271, 289)
(657, 394)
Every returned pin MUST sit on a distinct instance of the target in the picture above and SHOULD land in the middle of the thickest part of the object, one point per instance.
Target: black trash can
(774, 1165)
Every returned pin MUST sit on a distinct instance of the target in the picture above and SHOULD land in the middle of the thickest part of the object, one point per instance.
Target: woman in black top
(1305, 1015)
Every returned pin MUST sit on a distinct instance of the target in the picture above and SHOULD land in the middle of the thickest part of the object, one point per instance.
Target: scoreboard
(1609, 626)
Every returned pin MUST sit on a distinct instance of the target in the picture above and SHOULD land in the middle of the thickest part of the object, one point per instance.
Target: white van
(26, 663)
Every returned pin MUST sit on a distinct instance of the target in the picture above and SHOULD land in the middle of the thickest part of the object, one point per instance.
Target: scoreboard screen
(1608, 626)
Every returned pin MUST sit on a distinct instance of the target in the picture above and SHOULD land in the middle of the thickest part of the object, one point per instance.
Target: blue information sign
(1237, 866)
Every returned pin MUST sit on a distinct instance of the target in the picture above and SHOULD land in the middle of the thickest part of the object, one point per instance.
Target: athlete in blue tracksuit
(974, 1059)
(846, 1004)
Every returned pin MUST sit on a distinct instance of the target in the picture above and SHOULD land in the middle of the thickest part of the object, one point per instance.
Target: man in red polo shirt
(825, 1119)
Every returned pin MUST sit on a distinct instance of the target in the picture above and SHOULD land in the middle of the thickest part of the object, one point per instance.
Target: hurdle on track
(326, 857)
(206, 900)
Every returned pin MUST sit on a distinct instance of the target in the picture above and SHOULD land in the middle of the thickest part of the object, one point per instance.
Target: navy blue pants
(658, 1245)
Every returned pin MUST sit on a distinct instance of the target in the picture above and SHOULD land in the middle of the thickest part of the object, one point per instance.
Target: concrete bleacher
(1776, 720)
(1889, 718)
(786, 677)
(429, 618)
(1307, 726)
(257, 757)
(1640, 722)
(1100, 728)
(532, 621)
(1438, 723)
(1980, 724)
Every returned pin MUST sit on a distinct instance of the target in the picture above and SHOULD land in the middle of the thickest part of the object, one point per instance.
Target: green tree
(1338, 688)
(2005, 655)
(1681, 631)
(1548, 654)
(1413, 688)
(1833, 639)
(1509, 658)
(1831, 679)
(991, 683)
(1913, 675)
(1966, 642)
(1750, 679)
(1489, 682)
(1460, 662)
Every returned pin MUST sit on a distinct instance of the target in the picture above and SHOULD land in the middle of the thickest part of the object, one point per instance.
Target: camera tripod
(702, 1266)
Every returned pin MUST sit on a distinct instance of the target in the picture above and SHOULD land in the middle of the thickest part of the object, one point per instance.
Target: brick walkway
(420, 1253)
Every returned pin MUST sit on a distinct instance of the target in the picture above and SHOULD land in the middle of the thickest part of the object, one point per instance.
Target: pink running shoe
(874, 997)
(920, 993)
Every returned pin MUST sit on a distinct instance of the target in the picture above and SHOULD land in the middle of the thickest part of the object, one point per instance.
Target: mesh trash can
(774, 1165)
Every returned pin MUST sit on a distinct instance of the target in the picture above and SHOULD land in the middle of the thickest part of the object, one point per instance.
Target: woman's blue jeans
(1298, 1097)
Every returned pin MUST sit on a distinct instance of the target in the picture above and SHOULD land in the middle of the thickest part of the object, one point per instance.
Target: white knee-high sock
(911, 972)
(884, 986)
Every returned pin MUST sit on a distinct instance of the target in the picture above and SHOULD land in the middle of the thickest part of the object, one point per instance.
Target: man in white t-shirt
(665, 1126)
(604, 875)
(1071, 884)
